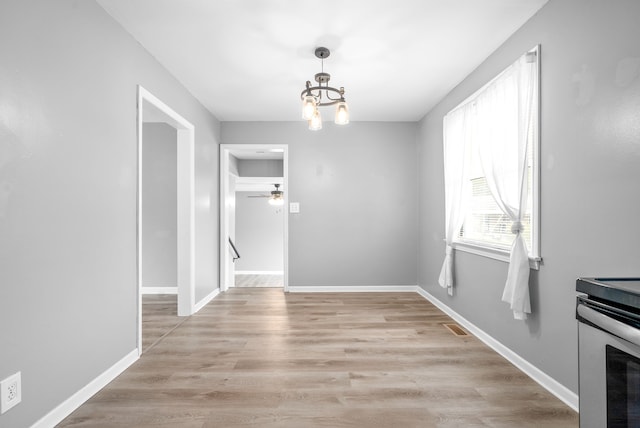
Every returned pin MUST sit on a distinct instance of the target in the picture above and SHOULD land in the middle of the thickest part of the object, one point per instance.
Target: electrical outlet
(10, 392)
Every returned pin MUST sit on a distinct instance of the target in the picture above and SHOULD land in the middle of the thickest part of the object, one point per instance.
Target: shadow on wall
(533, 319)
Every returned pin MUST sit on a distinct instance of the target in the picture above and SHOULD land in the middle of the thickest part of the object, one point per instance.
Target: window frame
(485, 249)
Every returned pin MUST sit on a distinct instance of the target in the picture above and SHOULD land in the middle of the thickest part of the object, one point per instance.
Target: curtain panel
(458, 130)
(505, 118)
(496, 124)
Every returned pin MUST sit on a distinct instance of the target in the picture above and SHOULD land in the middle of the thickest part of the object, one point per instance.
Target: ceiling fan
(275, 198)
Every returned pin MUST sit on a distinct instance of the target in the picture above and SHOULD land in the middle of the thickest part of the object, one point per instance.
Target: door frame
(225, 200)
(185, 204)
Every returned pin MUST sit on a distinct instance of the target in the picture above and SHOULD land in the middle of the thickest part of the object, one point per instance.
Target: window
(491, 177)
(485, 224)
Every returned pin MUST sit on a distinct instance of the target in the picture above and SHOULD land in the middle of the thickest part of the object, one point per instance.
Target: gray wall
(159, 206)
(357, 188)
(68, 162)
(589, 182)
(259, 233)
(260, 168)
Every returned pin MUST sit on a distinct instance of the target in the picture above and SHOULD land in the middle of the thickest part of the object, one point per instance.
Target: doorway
(259, 224)
(236, 183)
(152, 110)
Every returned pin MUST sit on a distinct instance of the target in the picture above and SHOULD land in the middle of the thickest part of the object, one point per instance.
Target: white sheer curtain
(497, 122)
(504, 125)
(458, 128)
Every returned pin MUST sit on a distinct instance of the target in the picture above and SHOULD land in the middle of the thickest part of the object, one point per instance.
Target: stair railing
(236, 254)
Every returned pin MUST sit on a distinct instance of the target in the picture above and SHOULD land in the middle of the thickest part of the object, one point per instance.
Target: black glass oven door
(623, 389)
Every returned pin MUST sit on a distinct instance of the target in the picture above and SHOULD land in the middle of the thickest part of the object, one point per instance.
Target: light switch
(294, 207)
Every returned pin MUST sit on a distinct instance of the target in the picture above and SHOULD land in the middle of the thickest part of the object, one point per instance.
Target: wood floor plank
(257, 357)
(159, 316)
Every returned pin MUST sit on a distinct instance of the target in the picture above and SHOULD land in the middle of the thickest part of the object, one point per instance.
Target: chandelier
(323, 95)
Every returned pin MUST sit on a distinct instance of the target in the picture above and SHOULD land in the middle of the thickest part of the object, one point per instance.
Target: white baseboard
(209, 297)
(54, 417)
(158, 290)
(259, 272)
(354, 289)
(563, 393)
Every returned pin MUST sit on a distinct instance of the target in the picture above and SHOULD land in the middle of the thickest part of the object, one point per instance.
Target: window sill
(493, 253)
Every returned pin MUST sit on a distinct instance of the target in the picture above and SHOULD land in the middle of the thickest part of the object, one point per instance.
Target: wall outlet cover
(10, 392)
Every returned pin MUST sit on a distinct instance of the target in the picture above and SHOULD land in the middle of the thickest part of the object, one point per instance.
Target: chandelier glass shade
(323, 95)
(315, 123)
(342, 113)
(308, 107)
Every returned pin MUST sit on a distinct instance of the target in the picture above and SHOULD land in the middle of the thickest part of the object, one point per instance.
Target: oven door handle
(610, 325)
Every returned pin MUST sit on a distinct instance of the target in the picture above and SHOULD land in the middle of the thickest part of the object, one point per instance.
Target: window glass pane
(485, 223)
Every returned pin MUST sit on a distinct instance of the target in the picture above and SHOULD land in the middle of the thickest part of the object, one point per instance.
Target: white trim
(259, 272)
(63, 410)
(159, 290)
(354, 289)
(285, 261)
(258, 184)
(186, 222)
(226, 267)
(536, 212)
(209, 297)
(491, 252)
(567, 396)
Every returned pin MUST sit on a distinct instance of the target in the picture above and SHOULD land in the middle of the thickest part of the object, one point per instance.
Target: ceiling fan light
(308, 107)
(315, 123)
(276, 201)
(342, 113)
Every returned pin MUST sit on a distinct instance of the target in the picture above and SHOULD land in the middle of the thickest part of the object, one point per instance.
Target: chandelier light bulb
(342, 113)
(308, 107)
(315, 123)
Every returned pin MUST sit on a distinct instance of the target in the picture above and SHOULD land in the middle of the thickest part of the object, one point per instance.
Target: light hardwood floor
(257, 357)
(159, 318)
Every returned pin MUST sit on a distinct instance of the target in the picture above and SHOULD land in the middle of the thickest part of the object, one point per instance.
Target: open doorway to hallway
(254, 216)
(165, 206)
(159, 262)
(259, 232)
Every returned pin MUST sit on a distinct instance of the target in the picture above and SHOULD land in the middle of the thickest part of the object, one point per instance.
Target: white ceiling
(248, 60)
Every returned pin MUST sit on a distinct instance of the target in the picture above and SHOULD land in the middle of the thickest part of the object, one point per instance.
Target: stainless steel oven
(608, 313)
